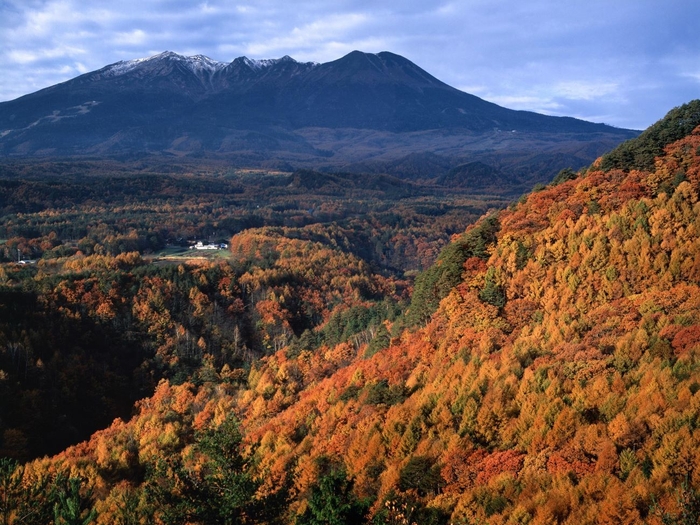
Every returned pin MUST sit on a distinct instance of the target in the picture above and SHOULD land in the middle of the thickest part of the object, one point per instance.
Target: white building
(201, 246)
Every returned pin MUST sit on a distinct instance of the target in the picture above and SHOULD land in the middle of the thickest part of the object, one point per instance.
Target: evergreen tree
(492, 293)
(222, 492)
(436, 282)
(72, 507)
(332, 502)
(379, 342)
(639, 153)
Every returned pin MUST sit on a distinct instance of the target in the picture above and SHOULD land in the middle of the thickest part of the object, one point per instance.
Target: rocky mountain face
(362, 108)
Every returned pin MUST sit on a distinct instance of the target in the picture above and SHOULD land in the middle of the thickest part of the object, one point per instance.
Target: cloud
(131, 38)
(23, 56)
(328, 30)
(545, 105)
(585, 90)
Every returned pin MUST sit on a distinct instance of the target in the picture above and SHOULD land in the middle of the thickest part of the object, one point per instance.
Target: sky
(621, 62)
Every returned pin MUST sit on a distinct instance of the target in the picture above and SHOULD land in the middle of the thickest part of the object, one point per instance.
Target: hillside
(110, 297)
(555, 381)
(361, 108)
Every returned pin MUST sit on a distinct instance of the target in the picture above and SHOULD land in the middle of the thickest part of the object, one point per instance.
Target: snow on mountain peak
(200, 63)
(123, 66)
(267, 62)
(260, 64)
(255, 64)
(197, 63)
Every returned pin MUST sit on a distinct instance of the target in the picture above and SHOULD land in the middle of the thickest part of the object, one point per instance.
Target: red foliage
(686, 339)
(497, 463)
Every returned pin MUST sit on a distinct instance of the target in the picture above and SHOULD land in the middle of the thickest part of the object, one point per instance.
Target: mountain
(362, 107)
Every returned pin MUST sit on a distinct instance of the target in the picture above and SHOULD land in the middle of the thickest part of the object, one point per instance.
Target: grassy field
(180, 253)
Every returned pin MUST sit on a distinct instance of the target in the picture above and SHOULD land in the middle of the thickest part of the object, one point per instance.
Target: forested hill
(556, 381)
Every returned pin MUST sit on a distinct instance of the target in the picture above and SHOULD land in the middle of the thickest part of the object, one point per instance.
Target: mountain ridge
(176, 105)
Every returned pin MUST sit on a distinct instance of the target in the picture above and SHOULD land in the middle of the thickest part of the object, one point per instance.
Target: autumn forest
(351, 348)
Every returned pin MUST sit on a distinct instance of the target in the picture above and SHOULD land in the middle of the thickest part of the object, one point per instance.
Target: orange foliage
(582, 390)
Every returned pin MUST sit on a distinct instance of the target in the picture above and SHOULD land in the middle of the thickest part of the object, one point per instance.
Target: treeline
(640, 153)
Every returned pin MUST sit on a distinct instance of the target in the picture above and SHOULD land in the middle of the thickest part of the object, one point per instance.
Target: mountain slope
(557, 381)
(359, 107)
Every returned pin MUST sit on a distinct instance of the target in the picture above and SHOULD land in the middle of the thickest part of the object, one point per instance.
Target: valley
(97, 232)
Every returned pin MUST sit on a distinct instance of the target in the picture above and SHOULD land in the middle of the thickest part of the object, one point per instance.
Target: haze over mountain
(362, 111)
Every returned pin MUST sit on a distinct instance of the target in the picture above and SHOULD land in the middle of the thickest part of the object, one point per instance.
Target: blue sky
(621, 62)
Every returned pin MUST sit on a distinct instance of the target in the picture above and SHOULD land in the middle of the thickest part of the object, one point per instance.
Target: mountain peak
(168, 99)
(196, 63)
(358, 68)
(259, 64)
(166, 54)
